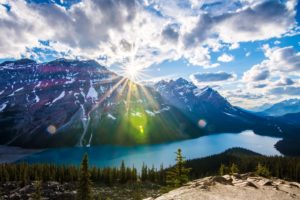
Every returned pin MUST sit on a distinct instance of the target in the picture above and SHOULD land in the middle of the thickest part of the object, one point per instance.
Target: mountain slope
(207, 107)
(283, 107)
(260, 108)
(71, 102)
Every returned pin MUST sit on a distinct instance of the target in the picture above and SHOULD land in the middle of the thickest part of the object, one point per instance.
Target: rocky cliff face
(239, 187)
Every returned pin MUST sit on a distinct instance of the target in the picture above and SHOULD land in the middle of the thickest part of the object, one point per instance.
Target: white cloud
(234, 46)
(126, 33)
(225, 58)
(277, 42)
(255, 23)
(277, 75)
(209, 77)
(249, 23)
(280, 62)
(290, 90)
(284, 59)
(256, 73)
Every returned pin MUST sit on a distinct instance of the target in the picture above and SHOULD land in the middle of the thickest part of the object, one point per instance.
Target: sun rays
(132, 72)
(130, 101)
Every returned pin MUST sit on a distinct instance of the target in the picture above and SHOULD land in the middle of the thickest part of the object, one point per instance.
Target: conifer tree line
(24, 173)
(236, 160)
(224, 163)
(282, 167)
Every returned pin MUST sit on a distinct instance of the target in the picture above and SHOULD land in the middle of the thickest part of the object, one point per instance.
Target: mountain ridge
(70, 102)
(283, 107)
(73, 102)
(220, 116)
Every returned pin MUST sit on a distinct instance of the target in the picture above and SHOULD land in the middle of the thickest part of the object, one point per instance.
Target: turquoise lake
(109, 155)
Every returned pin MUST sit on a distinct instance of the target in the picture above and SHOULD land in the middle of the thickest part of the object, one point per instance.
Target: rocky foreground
(229, 187)
(67, 191)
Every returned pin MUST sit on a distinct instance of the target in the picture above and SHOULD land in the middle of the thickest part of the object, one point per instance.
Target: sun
(132, 72)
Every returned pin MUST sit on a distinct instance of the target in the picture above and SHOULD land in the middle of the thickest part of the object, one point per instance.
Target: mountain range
(69, 102)
(282, 108)
(215, 111)
(81, 103)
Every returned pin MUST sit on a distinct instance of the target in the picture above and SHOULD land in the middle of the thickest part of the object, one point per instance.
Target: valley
(149, 99)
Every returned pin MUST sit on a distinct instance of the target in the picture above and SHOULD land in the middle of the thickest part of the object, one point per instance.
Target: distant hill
(246, 160)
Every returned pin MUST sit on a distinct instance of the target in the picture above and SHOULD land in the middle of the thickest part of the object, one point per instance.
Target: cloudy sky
(246, 49)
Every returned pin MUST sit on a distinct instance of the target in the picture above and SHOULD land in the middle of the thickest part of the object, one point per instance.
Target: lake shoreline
(11, 154)
(113, 155)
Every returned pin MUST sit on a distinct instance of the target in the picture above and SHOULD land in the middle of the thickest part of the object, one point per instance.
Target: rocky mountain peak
(87, 64)
(24, 61)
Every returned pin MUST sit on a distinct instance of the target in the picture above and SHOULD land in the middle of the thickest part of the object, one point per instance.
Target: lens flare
(141, 129)
(202, 123)
(51, 129)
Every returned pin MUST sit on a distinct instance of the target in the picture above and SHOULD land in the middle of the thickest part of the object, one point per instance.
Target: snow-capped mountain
(260, 108)
(205, 105)
(71, 102)
(283, 107)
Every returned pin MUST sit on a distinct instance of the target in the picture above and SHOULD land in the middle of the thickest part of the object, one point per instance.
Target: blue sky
(247, 50)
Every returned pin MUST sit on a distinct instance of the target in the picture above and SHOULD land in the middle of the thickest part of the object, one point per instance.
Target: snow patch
(59, 97)
(3, 106)
(162, 110)
(72, 80)
(36, 99)
(137, 114)
(229, 114)
(150, 113)
(111, 116)
(38, 85)
(19, 89)
(92, 93)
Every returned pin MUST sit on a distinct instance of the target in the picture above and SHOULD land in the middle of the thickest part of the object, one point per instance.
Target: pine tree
(133, 174)
(234, 169)
(179, 174)
(38, 194)
(122, 172)
(151, 174)
(144, 176)
(262, 170)
(223, 170)
(5, 175)
(25, 176)
(84, 189)
(161, 175)
(128, 174)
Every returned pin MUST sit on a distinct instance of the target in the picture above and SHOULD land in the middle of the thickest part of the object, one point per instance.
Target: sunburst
(133, 73)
